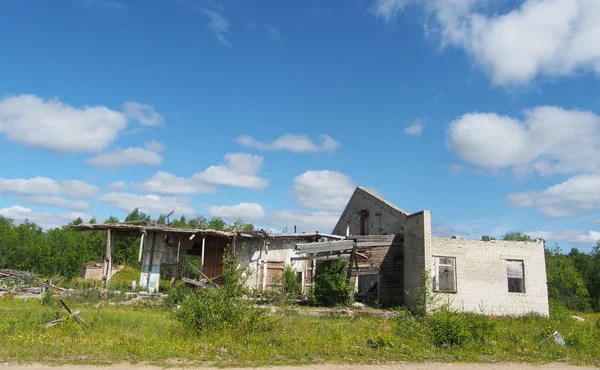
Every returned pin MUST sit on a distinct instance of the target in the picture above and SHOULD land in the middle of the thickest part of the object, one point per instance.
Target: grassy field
(150, 334)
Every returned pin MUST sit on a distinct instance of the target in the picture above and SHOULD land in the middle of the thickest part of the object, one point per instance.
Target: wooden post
(178, 248)
(150, 261)
(141, 246)
(175, 276)
(203, 249)
(107, 258)
(352, 257)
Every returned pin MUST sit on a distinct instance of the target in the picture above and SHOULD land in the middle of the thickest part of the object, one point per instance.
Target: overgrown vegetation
(226, 308)
(331, 284)
(144, 333)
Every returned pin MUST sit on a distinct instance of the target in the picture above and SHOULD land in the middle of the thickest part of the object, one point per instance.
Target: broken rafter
(333, 246)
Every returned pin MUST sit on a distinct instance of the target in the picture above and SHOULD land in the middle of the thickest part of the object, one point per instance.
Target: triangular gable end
(363, 195)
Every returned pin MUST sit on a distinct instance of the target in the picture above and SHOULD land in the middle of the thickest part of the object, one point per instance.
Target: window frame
(436, 280)
(507, 262)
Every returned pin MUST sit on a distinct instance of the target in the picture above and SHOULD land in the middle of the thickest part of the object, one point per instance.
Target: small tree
(331, 285)
(291, 285)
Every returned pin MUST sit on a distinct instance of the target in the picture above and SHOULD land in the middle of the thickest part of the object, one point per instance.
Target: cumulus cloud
(47, 186)
(117, 185)
(143, 113)
(55, 201)
(126, 157)
(323, 221)
(323, 190)
(574, 236)
(239, 170)
(551, 38)
(45, 220)
(149, 203)
(166, 183)
(548, 140)
(53, 125)
(251, 212)
(155, 146)
(579, 194)
(415, 128)
(292, 142)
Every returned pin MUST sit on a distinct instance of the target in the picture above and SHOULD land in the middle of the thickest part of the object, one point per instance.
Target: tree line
(63, 251)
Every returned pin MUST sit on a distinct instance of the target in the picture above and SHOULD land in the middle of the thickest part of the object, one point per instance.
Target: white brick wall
(417, 245)
(481, 278)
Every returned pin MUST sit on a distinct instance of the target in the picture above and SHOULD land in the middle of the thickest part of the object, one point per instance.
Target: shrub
(424, 300)
(452, 328)
(291, 285)
(223, 308)
(331, 284)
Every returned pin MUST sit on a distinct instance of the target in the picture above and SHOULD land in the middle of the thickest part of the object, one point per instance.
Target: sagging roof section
(174, 230)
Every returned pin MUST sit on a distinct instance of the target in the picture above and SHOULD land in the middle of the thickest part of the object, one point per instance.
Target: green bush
(451, 328)
(331, 284)
(223, 308)
(291, 285)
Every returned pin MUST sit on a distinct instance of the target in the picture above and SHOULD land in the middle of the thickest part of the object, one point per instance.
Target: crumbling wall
(481, 276)
(260, 258)
(383, 219)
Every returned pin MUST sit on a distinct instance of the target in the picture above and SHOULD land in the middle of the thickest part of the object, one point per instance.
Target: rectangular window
(445, 274)
(516, 276)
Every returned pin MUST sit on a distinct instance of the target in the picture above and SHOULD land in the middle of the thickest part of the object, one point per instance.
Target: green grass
(150, 334)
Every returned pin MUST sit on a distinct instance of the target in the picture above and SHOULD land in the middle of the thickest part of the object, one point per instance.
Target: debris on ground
(558, 339)
(580, 319)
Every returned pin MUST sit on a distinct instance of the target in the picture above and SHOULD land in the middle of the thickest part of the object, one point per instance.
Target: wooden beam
(325, 246)
(203, 250)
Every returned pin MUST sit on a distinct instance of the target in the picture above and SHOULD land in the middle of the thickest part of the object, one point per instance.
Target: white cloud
(53, 125)
(322, 221)
(219, 25)
(540, 38)
(150, 203)
(249, 212)
(166, 183)
(579, 194)
(126, 157)
(155, 146)
(292, 142)
(117, 185)
(549, 140)
(596, 221)
(143, 113)
(240, 170)
(574, 236)
(415, 128)
(55, 201)
(45, 220)
(324, 190)
(47, 186)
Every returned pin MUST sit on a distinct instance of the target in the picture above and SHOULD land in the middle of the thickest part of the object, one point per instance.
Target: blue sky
(486, 113)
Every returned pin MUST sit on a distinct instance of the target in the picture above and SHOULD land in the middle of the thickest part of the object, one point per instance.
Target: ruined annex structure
(264, 254)
(391, 251)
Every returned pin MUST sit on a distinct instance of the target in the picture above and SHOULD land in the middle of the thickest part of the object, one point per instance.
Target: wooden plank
(193, 282)
(378, 244)
(325, 246)
(365, 272)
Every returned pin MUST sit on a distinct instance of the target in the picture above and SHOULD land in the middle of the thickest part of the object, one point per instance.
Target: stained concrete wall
(481, 276)
(384, 218)
(256, 255)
